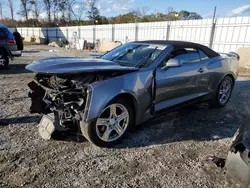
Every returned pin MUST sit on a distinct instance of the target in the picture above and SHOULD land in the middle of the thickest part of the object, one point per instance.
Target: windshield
(134, 55)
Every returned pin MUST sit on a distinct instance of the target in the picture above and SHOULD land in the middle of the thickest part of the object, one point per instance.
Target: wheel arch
(5, 51)
(231, 75)
(131, 99)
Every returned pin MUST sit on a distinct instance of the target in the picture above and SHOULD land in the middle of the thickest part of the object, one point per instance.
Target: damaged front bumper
(61, 108)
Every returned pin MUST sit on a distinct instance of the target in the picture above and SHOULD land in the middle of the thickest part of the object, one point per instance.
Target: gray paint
(174, 85)
(152, 88)
(74, 65)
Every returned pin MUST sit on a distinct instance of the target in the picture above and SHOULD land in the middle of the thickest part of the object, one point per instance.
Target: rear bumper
(16, 53)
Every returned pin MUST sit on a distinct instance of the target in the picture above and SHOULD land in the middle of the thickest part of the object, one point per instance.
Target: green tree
(93, 12)
(185, 15)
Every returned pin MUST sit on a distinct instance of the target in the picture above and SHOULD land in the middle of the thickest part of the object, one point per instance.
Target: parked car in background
(134, 82)
(11, 45)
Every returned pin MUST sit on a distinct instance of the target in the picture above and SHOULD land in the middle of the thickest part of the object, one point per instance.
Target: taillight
(12, 41)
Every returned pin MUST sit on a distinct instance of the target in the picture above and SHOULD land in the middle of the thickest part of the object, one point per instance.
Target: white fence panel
(62, 32)
(231, 34)
(71, 31)
(191, 30)
(152, 31)
(125, 32)
(87, 33)
(104, 32)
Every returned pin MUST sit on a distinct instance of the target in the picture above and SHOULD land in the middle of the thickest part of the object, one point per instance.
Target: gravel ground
(163, 152)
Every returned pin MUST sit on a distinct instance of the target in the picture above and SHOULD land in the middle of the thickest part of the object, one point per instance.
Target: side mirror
(173, 63)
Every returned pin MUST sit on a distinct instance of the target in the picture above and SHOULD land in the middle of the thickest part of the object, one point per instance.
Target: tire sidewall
(92, 134)
(218, 90)
(6, 63)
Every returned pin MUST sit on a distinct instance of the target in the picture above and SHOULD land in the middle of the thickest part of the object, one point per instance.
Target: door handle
(201, 70)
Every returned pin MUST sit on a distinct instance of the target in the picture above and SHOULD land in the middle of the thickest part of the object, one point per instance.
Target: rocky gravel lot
(163, 152)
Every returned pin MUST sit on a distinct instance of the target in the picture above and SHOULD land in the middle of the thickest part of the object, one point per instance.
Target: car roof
(3, 26)
(10, 35)
(182, 44)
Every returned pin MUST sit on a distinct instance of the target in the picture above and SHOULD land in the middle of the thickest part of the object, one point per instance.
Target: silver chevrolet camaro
(105, 97)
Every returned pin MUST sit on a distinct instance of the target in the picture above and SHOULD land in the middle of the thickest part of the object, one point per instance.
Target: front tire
(4, 62)
(111, 126)
(223, 93)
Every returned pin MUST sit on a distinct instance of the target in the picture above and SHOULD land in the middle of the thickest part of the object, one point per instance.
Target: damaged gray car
(106, 97)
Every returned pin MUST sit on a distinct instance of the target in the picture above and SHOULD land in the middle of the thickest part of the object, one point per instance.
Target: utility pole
(212, 30)
(214, 14)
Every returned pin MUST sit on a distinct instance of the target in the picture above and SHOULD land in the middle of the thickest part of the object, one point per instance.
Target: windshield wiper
(122, 55)
(140, 64)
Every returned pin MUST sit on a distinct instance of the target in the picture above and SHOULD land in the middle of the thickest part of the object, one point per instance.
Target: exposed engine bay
(65, 95)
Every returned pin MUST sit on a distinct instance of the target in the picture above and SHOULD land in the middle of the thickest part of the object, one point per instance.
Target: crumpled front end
(66, 96)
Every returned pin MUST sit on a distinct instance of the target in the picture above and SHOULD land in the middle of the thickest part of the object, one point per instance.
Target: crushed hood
(74, 65)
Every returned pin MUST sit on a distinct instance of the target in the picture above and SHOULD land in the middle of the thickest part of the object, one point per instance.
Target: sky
(225, 8)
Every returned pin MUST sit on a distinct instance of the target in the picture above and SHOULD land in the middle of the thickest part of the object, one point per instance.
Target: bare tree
(78, 10)
(62, 7)
(141, 12)
(69, 8)
(55, 9)
(11, 6)
(48, 4)
(35, 8)
(24, 9)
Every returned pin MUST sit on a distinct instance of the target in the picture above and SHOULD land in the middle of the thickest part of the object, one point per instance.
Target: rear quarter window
(203, 56)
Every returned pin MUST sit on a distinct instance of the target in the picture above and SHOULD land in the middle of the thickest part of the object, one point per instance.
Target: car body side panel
(138, 84)
(180, 84)
(219, 67)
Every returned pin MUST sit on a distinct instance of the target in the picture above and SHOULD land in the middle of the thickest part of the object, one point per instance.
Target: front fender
(138, 84)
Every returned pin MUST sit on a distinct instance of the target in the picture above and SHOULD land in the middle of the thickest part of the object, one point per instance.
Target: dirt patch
(163, 152)
(244, 54)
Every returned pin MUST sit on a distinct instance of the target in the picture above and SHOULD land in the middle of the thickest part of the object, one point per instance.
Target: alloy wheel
(225, 91)
(112, 123)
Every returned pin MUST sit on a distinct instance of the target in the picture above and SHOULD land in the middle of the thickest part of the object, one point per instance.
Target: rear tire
(223, 93)
(5, 62)
(115, 127)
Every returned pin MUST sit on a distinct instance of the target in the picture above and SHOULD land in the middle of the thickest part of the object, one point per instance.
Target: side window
(190, 55)
(203, 56)
(185, 55)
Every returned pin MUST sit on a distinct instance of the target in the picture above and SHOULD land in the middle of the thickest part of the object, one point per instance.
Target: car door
(177, 85)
